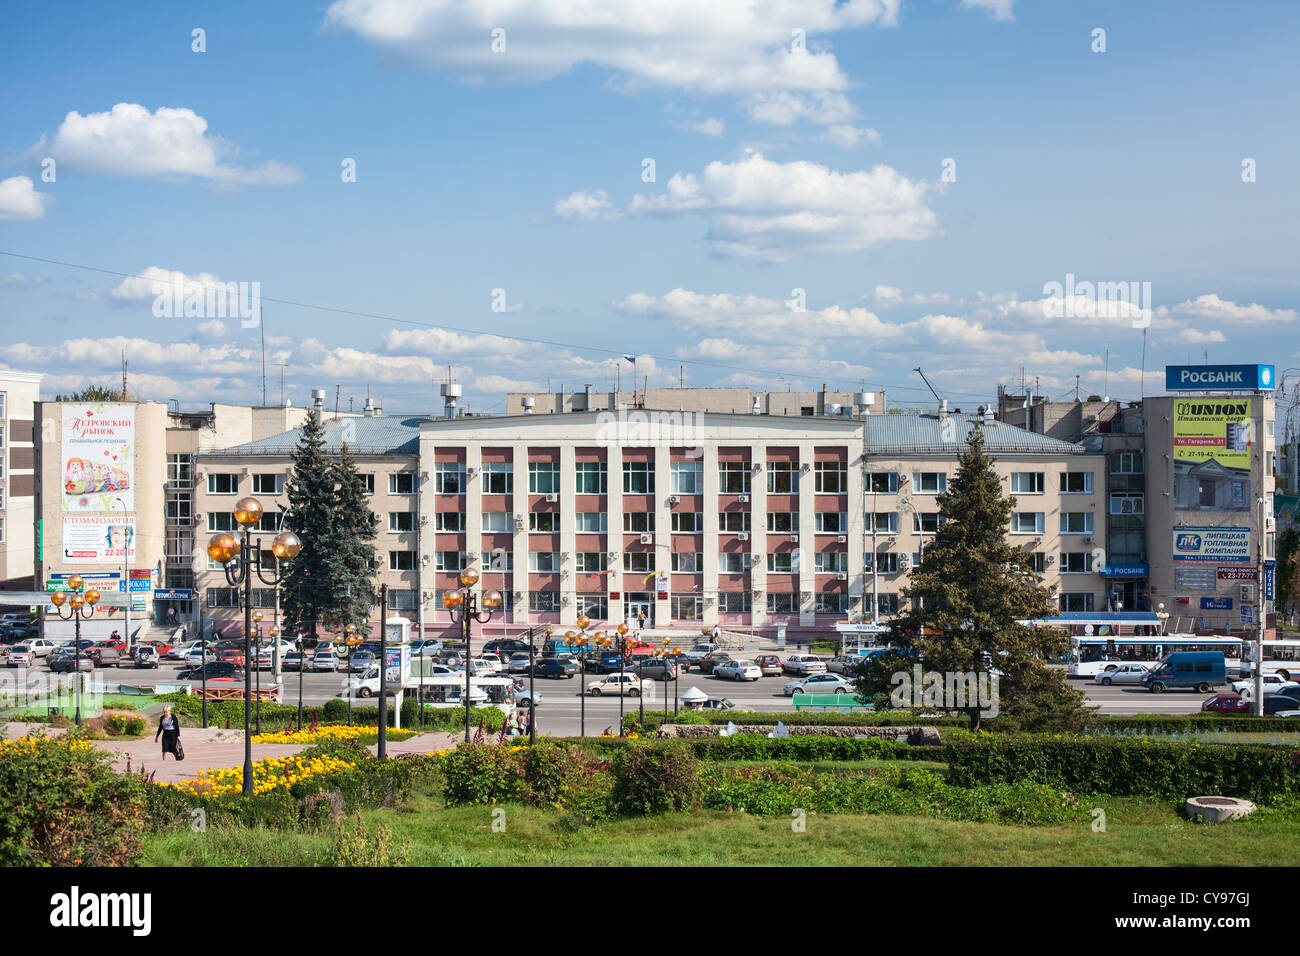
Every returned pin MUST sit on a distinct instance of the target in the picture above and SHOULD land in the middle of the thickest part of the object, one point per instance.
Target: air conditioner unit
(673, 499)
(1088, 540)
(564, 573)
(843, 539)
(424, 559)
(612, 554)
(743, 499)
(519, 520)
(805, 468)
(743, 536)
(758, 466)
(757, 558)
(199, 476)
(1051, 559)
(794, 537)
(519, 595)
(904, 562)
(841, 577)
(566, 599)
(471, 471)
(902, 478)
(198, 516)
(552, 497)
(379, 517)
(424, 519)
(647, 539)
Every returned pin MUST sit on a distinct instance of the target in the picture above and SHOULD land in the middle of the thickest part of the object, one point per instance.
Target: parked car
(361, 661)
(107, 656)
(519, 663)
(199, 654)
(769, 664)
(484, 666)
(656, 668)
(20, 631)
(1273, 684)
(1281, 705)
(738, 670)
(556, 667)
(820, 684)
(506, 646)
(215, 670)
(64, 662)
(1198, 670)
(602, 662)
(1121, 674)
(1226, 704)
(180, 652)
(711, 660)
(21, 655)
(628, 684)
(699, 651)
(146, 656)
(425, 647)
(324, 660)
(292, 661)
(233, 656)
(846, 664)
(803, 665)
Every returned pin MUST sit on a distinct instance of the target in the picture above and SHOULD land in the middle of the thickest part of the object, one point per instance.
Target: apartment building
(19, 392)
(735, 400)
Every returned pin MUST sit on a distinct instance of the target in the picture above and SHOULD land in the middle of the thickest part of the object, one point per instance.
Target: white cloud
(997, 9)
(1197, 337)
(888, 295)
(1211, 307)
(20, 200)
(782, 108)
(586, 204)
(847, 136)
(779, 211)
(170, 142)
(17, 279)
(709, 126)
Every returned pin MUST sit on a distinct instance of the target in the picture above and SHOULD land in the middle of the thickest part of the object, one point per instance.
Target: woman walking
(169, 726)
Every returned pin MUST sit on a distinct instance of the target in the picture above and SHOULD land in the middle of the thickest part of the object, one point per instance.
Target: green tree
(352, 548)
(93, 393)
(1287, 584)
(965, 598)
(308, 578)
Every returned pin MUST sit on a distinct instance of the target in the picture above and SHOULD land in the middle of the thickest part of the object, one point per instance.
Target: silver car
(820, 684)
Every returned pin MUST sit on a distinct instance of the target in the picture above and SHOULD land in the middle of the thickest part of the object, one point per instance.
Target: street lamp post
(349, 641)
(383, 673)
(241, 560)
(80, 607)
(463, 606)
(677, 679)
(621, 631)
(302, 666)
(257, 677)
(580, 641)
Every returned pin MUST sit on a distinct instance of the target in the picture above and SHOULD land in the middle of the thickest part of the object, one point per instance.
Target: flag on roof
(630, 358)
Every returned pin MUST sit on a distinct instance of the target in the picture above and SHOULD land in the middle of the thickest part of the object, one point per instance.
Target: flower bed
(268, 774)
(313, 735)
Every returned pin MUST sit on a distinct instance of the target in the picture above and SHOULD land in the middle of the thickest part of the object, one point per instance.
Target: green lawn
(1138, 833)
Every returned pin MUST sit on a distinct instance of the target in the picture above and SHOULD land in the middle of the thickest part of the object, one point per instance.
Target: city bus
(1091, 654)
(1281, 657)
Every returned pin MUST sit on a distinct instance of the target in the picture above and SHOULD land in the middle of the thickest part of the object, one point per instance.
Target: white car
(1122, 674)
(182, 651)
(699, 651)
(20, 655)
(820, 684)
(40, 646)
(628, 684)
(196, 657)
(804, 665)
(485, 666)
(1273, 684)
(738, 670)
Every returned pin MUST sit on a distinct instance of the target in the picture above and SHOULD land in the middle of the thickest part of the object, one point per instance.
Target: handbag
(180, 751)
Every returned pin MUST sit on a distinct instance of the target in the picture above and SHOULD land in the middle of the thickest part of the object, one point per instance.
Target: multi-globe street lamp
(241, 560)
(464, 607)
(81, 607)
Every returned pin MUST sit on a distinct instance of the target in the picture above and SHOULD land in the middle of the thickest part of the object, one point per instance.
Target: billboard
(1230, 545)
(1210, 377)
(98, 457)
(1212, 449)
(98, 539)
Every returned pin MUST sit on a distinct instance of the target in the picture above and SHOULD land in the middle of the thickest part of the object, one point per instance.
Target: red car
(1226, 704)
(235, 657)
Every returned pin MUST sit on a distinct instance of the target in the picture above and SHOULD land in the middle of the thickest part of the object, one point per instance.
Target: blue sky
(776, 168)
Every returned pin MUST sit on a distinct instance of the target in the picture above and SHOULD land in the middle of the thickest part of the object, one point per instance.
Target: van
(1199, 670)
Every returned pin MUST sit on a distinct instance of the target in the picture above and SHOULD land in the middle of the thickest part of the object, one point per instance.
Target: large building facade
(19, 392)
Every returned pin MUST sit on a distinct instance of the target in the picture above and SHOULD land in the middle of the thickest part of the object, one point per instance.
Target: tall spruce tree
(965, 598)
(353, 557)
(309, 578)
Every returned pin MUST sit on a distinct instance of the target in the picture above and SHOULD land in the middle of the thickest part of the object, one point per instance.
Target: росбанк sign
(1231, 377)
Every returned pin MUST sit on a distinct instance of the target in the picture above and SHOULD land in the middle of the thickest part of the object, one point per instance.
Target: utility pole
(1258, 702)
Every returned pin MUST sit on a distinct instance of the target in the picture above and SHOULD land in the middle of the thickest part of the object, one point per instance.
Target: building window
(447, 560)
(735, 602)
(590, 562)
(639, 521)
(1127, 504)
(686, 562)
(1027, 482)
(3, 404)
(733, 521)
(641, 562)
(264, 484)
(1038, 562)
(882, 483)
(1076, 562)
(498, 478)
(1127, 463)
(401, 521)
(221, 521)
(807, 410)
(592, 478)
(887, 603)
(925, 522)
(831, 522)
(449, 521)
(401, 560)
(1076, 522)
(831, 562)
(929, 482)
(270, 521)
(687, 607)
(593, 605)
(832, 602)
(734, 477)
(180, 469)
(223, 484)
(733, 563)
(1077, 601)
(496, 522)
(403, 483)
(685, 477)
(543, 562)
(886, 522)
(544, 521)
(2, 530)
(543, 478)
(543, 600)
(178, 509)
(591, 522)
(886, 562)
(638, 478)
(448, 478)
(784, 562)
(368, 482)
(687, 522)
(782, 603)
(223, 597)
(1076, 482)
(783, 478)
(401, 599)
(783, 522)
(498, 559)
(1027, 522)
(830, 477)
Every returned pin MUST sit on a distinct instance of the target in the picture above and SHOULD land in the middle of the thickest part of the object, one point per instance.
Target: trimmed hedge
(334, 711)
(801, 749)
(1120, 767)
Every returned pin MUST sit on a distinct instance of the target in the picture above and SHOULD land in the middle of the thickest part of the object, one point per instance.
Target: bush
(117, 726)
(359, 848)
(481, 773)
(566, 778)
(62, 804)
(1124, 767)
(650, 778)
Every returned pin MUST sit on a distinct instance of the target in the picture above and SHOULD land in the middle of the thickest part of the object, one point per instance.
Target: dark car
(656, 669)
(709, 661)
(506, 647)
(555, 667)
(1226, 704)
(107, 656)
(216, 670)
(13, 633)
(61, 662)
(1275, 702)
(362, 661)
(602, 662)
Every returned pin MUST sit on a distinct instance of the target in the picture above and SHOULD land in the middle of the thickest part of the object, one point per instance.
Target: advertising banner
(661, 585)
(1216, 604)
(1210, 377)
(1230, 545)
(1238, 574)
(98, 539)
(98, 465)
(1217, 429)
(1195, 579)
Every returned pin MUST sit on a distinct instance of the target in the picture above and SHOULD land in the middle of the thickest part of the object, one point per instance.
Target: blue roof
(364, 435)
(925, 433)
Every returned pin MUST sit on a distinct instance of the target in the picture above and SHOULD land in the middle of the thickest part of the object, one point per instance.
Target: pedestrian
(640, 620)
(169, 726)
(171, 617)
(717, 633)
